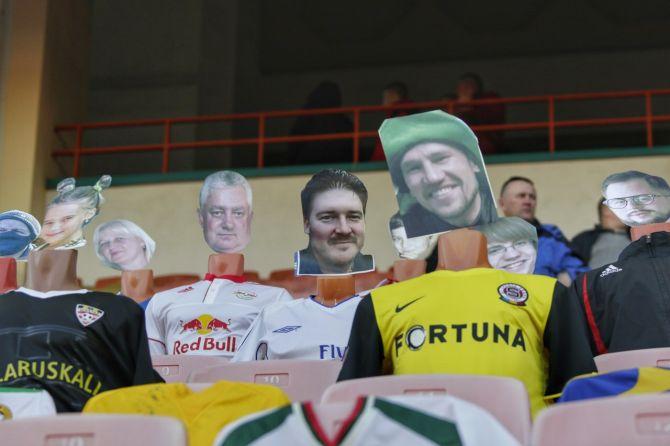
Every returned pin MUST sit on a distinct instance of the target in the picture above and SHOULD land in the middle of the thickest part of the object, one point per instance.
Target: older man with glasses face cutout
(637, 198)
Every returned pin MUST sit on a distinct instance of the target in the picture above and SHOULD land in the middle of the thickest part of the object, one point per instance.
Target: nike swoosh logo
(399, 308)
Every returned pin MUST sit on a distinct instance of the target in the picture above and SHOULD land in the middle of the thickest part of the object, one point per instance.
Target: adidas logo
(610, 270)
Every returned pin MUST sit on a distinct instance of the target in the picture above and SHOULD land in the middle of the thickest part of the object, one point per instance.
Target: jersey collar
(48, 294)
(232, 278)
(307, 411)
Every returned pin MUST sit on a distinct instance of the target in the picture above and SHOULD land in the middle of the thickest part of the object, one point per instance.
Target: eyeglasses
(620, 203)
(500, 248)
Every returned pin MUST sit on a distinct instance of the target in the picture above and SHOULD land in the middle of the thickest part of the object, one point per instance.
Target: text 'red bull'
(203, 344)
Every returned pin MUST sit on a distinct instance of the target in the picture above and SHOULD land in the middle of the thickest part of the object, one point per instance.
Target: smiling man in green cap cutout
(434, 158)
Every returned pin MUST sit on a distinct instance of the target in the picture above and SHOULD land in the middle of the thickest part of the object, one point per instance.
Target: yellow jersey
(204, 413)
(480, 321)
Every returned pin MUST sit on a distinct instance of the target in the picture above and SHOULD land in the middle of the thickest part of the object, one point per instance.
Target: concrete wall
(567, 190)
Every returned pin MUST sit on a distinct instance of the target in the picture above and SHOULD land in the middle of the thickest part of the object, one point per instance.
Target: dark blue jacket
(554, 253)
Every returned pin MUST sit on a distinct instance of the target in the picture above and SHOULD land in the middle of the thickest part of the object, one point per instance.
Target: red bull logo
(205, 324)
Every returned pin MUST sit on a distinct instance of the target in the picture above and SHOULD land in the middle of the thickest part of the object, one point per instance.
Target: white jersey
(18, 403)
(207, 317)
(397, 420)
(300, 329)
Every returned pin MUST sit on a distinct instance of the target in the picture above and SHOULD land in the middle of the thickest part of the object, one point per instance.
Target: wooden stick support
(138, 284)
(226, 264)
(406, 269)
(462, 249)
(637, 232)
(331, 289)
(7, 274)
(52, 270)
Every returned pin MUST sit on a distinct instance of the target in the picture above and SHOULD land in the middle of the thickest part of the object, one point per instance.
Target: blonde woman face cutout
(123, 249)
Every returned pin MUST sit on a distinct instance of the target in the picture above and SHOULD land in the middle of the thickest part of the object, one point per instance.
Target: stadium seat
(252, 276)
(107, 283)
(98, 430)
(167, 282)
(641, 420)
(281, 274)
(504, 398)
(368, 281)
(301, 380)
(177, 368)
(651, 357)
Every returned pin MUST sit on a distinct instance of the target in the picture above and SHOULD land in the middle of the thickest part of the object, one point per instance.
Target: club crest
(87, 314)
(513, 293)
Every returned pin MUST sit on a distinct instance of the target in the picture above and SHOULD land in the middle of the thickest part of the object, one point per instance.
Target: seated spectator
(603, 243)
(325, 95)
(393, 93)
(471, 87)
(555, 256)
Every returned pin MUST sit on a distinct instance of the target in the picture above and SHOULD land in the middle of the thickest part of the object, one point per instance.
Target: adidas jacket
(627, 303)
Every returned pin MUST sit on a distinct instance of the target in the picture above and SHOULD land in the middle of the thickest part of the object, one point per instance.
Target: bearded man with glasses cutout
(637, 198)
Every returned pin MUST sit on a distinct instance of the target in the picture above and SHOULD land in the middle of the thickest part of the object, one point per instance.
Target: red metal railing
(261, 140)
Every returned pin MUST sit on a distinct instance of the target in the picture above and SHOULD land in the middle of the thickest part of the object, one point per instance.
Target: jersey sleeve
(566, 339)
(284, 296)
(155, 329)
(582, 290)
(249, 345)
(365, 351)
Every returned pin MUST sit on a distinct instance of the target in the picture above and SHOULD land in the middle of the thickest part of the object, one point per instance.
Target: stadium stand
(650, 357)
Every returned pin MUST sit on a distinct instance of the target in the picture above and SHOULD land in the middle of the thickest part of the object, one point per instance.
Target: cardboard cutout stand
(462, 249)
(406, 269)
(52, 270)
(330, 290)
(138, 284)
(637, 232)
(226, 265)
(7, 274)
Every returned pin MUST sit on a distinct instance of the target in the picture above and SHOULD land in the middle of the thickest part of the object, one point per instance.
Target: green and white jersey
(18, 403)
(397, 420)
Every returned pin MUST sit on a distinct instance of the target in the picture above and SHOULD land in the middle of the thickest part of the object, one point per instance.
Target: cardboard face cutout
(225, 212)
(123, 245)
(637, 198)
(67, 214)
(334, 219)
(512, 245)
(417, 248)
(17, 230)
(438, 173)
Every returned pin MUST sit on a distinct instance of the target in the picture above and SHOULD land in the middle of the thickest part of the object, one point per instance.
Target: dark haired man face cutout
(443, 181)
(637, 203)
(336, 229)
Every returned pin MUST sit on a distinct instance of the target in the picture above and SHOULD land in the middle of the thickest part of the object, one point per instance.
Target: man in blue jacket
(555, 256)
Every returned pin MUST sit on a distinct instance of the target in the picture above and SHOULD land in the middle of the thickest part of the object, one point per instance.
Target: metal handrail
(262, 140)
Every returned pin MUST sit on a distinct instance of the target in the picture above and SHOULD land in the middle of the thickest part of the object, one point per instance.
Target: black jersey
(74, 344)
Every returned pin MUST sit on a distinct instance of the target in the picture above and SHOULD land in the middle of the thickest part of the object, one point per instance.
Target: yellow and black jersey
(480, 321)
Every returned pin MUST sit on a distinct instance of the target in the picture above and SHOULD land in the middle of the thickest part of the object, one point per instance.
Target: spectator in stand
(326, 95)
(471, 87)
(555, 256)
(394, 93)
(602, 244)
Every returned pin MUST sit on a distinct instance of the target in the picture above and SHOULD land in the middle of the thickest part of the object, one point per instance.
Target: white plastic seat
(97, 430)
(638, 420)
(650, 357)
(177, 368)
(504, 398)
(301, 380)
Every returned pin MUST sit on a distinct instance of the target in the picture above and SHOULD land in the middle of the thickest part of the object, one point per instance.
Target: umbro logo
(610, 270)
(186, 290)
(399, 308)
(287, 329)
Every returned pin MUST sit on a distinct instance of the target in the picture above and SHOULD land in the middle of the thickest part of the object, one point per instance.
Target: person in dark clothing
(603, 243)
(627, 302)
(325, 95)
(393, 93)
(471, 87)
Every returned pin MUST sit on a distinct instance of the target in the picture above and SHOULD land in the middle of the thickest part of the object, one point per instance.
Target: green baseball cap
(402, 133)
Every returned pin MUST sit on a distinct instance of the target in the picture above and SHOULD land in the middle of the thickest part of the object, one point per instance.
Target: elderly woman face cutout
(120, 248)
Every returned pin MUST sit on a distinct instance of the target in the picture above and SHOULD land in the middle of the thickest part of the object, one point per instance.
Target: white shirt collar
(48, 294)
